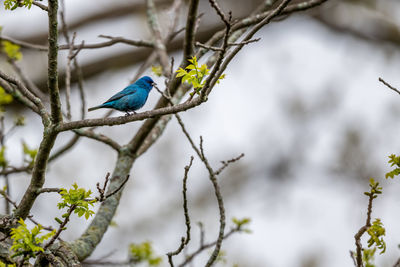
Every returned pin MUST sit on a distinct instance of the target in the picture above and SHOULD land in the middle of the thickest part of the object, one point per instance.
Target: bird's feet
(128, 114)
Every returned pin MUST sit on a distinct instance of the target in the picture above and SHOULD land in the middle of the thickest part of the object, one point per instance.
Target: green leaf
(3, 160)
(13, 4)
(27, 242)
(4, 97)
(30, 154)
(19, 121)
(376, 232)
(143, 253)
(76, 197)
(11, 50)
(195, 76)
(157, 70)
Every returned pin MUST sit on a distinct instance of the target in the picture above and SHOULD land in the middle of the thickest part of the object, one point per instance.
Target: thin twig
(80, 87)
(184, 241)
(159, 46)
(48, 228)
(213, 48)
(362, 230)
(226, 163)
(7, 197)
(70, 42)
(12, 170)
(98, 137)
(102, 190)
(204, 246)
(17, 95)
(118, 188)
(24, 44)
(27, 94)
(353, 257)
(214, 181)
(49, 190)
(45, 8)
(61, 227)
(71, 143)
(221, 68)
(215, 73)
(28, 82)
(83, 45)
(388, 85)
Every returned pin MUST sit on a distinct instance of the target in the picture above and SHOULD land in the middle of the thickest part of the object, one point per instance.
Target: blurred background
(304, 104)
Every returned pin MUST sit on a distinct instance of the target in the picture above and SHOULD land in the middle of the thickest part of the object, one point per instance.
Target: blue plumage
(132, 98)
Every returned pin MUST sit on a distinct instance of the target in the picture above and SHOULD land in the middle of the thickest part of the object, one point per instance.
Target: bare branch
(170, 36)
(99, 137)
(188, 47)
(159, 46)
(12, 170)
(388, 85)
(45, 8)
(74, 140)
(362, 230)
(102, 190)
(258, 17)
(213, 48)
(125, 119)
(112, 41)
(276, 12)
(48, 190)
(52, 79)
(71, 143)
(7, 197)
(214, 181)
(184, 241)
(48, 228)
(28, 82)
(221, 14)
(216, 73)
(118, 188)
(226, 163)
(61, 227)
(27, 96)
(204, 246)
(69, 58)
(80, 87)
(24, 44)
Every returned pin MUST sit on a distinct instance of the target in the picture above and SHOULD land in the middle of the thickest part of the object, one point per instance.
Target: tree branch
(125, 119)
(388, 85)
(16, 94)
(188, 47)
(98, 137)
(28, 96)
(52, 79)
(45, 8)
(184, 241)
(159, 46)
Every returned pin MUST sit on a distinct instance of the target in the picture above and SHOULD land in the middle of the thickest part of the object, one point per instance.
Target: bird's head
(147, 82)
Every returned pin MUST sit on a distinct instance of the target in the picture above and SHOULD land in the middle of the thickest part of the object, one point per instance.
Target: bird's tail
(96, 107)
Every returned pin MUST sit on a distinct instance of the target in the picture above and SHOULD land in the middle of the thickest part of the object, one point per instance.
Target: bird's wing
(127, 91)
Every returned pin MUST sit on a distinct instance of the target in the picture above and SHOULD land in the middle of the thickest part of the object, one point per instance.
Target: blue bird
(132, 98)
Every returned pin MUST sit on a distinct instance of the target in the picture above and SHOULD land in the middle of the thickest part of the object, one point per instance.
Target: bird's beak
(153, 84)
